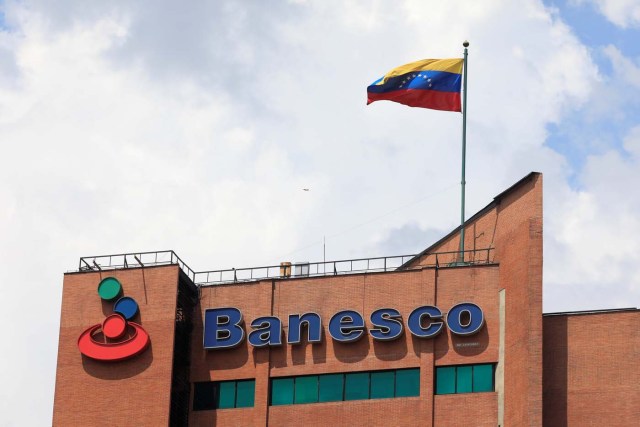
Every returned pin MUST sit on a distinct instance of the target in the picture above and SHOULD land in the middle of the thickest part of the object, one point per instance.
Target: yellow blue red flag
(429, 83)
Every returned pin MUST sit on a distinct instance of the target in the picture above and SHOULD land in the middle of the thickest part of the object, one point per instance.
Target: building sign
(116, 338)
(223, 326)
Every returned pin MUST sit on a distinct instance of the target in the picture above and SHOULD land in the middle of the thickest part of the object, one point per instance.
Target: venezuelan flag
(429, 83)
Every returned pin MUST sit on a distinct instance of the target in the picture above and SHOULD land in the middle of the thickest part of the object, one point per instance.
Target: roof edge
(496, 201)
(585, 312)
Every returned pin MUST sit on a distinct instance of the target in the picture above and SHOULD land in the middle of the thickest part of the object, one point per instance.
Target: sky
(153, 125)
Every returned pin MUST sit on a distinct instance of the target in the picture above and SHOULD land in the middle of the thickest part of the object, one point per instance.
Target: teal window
(306, 389)
(245, 393)
(407, 382)
(383, 384)
(356, 386)
(446, 380)
(226, 395)
(464, 379)
(349, 386)
(282, 391)
(331, 387)
(223, 394)
(482, 378)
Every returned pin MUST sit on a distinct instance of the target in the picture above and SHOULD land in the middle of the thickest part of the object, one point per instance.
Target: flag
(429, 83)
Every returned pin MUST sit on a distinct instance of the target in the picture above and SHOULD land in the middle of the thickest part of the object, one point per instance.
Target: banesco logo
(116, 338)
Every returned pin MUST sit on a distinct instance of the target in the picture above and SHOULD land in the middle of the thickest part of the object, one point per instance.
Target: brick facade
(588, 372)
(591, 375)
(128, 393)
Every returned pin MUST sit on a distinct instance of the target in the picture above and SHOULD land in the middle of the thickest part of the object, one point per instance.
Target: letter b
(222, 328)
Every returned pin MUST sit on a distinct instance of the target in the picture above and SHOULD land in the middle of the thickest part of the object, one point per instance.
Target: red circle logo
(116, 338)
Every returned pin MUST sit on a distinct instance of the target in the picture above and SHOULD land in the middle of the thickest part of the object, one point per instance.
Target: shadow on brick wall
(554, 374)
(119, 370)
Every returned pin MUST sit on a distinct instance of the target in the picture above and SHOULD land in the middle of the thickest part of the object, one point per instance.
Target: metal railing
(288, 270)
(350, 266)
(134, 260)
(306, 269)
(453, 258)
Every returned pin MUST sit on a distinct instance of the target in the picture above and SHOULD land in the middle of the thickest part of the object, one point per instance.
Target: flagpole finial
(465, 43)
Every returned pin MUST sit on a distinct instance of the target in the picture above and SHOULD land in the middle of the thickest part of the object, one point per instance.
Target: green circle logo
(109, 288)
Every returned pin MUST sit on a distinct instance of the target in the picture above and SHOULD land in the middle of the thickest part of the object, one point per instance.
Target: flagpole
(464, 149)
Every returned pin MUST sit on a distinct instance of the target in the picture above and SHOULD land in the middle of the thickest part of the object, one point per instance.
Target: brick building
(416, 340)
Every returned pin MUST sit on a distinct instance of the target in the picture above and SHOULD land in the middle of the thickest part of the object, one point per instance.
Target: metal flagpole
(464, 149)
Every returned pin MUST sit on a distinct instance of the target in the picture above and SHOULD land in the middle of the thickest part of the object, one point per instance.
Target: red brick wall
(364, 293)
(513, 227)
(591, 369)
(408, 411)
(134, 392)
(519, 251)
(479, 285)
(254, 300)
(464, 410)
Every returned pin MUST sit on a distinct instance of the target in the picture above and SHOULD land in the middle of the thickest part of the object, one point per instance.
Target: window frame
(343, 386)
(473, 378)
(212, 404)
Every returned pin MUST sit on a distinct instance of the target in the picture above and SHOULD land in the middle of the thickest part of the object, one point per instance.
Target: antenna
(324, 254)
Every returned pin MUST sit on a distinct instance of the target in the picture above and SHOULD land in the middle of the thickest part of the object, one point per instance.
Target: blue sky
(133, 126)
(574, 137)
(595, 30)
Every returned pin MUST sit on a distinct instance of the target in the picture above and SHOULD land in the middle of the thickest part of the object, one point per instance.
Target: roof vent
(285, 269)
(301, 269)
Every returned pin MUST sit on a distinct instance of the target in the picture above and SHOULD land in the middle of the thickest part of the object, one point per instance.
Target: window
(464, 379)
(245, 393)
(383, 384)
(223, 394)
(407, 383)
(446, 380)
(331, 387)
(282, 391)
(226, 395)
(482, 378)
(348, 386)
(356, 386)
(306, 389)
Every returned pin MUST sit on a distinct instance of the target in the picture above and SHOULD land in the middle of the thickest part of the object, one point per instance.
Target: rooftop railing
(287, 270)
(302, 269)
(134, 260)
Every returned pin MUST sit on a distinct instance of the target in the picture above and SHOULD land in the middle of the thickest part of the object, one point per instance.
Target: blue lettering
(346, 326)
(222, 328)
(416, 321)
(268, 331)
(314, 328)
(387, 325)
(465, 319)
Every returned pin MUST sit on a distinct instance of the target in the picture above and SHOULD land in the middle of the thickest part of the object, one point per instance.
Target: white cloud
(624, 67)
(149, 126)
(591, 258)
(623, 13)
(593, 249)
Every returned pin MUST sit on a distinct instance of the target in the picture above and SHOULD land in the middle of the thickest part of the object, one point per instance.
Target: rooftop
(282, 271)
(311, 269)
(585, 312)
